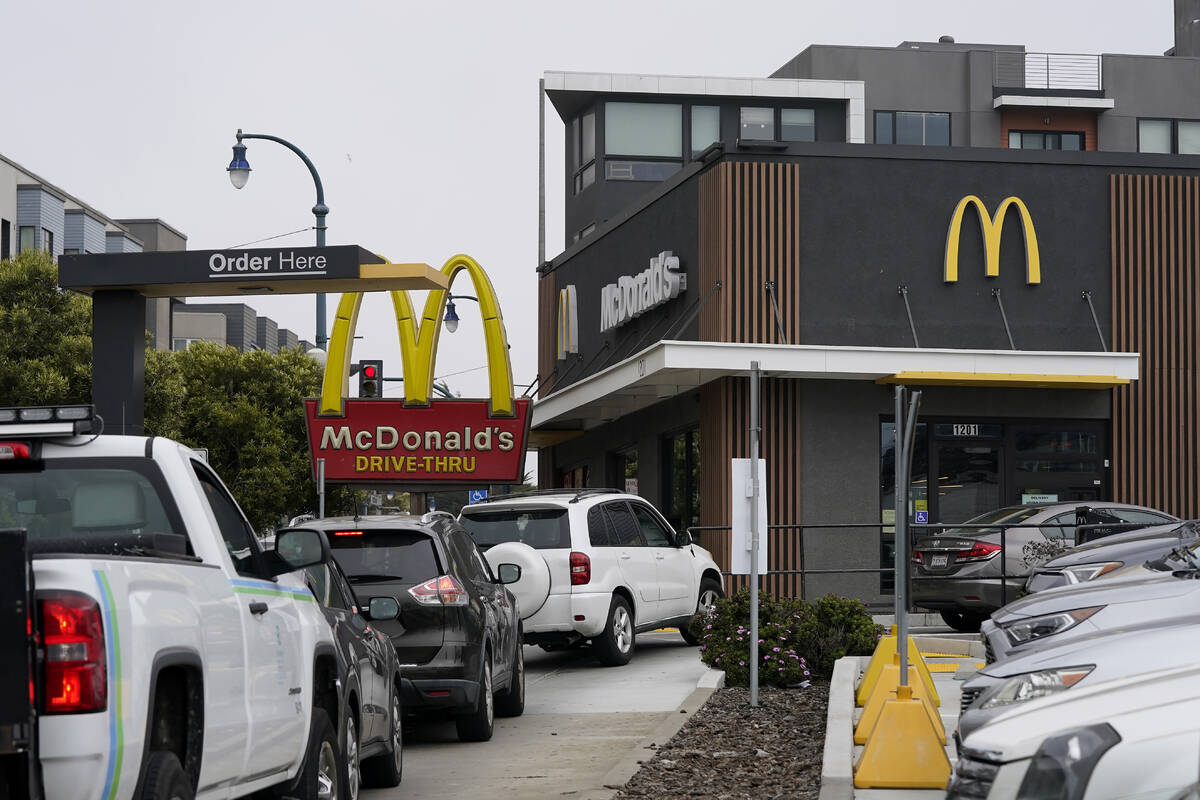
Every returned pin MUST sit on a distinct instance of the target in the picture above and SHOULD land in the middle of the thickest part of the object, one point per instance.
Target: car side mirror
(683, 539)
(382, 608)
(508, 573)
(297, 548)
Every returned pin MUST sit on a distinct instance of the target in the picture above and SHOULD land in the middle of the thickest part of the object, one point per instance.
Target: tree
(248, 410)
(46, 349)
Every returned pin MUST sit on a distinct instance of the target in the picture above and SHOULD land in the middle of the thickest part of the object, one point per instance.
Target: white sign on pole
(742, 491)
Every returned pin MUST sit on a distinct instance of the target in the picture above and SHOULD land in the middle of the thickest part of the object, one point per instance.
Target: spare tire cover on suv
(533, 588)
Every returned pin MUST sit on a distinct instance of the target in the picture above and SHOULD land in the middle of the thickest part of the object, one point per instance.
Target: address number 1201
(965, 430)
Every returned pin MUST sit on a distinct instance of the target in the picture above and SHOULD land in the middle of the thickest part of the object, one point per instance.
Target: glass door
(967, 479)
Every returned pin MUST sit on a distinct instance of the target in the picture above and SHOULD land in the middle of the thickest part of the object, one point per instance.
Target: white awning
(668, 368)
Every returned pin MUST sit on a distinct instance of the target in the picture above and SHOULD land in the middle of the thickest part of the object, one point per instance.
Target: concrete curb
(972, 648)
(837, 762)
(620, 773)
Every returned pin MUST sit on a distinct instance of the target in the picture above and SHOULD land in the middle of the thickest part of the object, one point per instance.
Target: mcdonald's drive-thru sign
(992, 228)
(420, 440)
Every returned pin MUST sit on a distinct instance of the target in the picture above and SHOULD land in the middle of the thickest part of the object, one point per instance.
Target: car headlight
(1025, 630)
(1062, 766)
(1086, 572)
(1033, 685)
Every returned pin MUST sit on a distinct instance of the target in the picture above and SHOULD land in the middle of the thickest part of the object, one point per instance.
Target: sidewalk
(837, 777)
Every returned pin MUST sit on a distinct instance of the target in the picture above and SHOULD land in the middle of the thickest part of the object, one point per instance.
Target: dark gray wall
(643, 430)
(241, 326)
(840, 451)
(1147, 86)
(1187, 28)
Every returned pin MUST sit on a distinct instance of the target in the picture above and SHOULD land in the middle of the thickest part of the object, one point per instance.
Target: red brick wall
(1049, 120)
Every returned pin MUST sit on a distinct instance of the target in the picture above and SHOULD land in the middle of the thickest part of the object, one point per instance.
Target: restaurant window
(583, 150)
(798, 125)
(681, 484)
(706, 127)
(1169, 136)
(1045, 140)
(912, 127)
(918, 495)
(757, 124)
(625, 467)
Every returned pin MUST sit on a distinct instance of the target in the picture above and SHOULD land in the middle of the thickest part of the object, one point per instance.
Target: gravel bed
(730, 751)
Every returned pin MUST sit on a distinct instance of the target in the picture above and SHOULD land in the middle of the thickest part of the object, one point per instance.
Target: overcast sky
(421, 118)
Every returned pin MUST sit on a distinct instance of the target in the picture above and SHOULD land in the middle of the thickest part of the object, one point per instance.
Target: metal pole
(755, 377)
(541, 172)
(905, 545)
(320, 488)
(901, 514)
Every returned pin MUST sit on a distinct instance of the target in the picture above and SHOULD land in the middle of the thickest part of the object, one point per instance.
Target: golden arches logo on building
(992, 229)
(418, 343)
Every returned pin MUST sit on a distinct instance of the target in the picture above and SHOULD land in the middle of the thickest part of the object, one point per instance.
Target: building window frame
(889, 118)
(1173, 122)
(26, 237)
(583, 162)
(681, 501)
(1022, 132)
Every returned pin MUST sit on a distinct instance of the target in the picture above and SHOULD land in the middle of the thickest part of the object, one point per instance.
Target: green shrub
(797, 640)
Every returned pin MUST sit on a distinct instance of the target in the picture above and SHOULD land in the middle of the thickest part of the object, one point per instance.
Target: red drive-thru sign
(446, 442)
(419, 441)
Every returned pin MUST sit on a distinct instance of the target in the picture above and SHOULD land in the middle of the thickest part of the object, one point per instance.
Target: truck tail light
(444, 590)
(74, 677)
(581, 569)
(14, 451)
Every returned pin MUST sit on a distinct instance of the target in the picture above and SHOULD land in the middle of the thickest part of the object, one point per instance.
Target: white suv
(597, 565)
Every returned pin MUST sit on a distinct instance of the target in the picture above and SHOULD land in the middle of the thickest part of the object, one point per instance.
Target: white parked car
(1132, 737)
(597, 566)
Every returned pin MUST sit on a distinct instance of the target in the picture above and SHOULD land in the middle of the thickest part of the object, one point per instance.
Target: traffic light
(370, 378)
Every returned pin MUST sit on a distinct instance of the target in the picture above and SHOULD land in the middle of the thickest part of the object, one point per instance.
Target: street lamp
(239, 174)
(450, 318)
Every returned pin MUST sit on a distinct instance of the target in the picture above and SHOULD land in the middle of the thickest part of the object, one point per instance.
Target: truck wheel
(386, 769)
(710, 593)
(323, 774)
(477, 726)
(511, 702)
(614, 646)
(963, 621)
(165, 778)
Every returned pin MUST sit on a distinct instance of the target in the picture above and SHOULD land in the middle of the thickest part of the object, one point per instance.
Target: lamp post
(450, 318)
(239, 174)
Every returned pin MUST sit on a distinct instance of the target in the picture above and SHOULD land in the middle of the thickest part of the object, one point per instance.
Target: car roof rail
(430, 516)
(576, 494)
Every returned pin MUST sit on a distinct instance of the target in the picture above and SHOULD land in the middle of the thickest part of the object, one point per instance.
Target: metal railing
(722, 545)
(1068, 71)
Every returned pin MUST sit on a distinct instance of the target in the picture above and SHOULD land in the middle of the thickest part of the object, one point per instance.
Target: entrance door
(966, 476)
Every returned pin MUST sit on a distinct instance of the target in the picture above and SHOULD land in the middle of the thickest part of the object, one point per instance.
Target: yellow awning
(1006, 379)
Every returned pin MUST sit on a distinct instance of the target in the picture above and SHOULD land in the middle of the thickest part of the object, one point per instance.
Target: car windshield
(540, 528)
(368, 556)
(80, 500)
(1013, 515)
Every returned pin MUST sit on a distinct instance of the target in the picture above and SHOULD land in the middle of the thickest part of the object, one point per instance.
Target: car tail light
(581, 569)
(444, 590)
(980, 551)
(14, 451)
(918, 557)
(74, 676)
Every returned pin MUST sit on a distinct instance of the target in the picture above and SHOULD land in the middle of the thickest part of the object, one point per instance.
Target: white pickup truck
(169, 655)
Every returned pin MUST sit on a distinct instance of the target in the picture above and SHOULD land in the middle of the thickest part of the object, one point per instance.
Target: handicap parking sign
(476, 495)
(922, 517)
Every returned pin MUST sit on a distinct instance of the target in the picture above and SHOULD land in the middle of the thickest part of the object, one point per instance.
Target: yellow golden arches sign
(418, 343)
(992, 229)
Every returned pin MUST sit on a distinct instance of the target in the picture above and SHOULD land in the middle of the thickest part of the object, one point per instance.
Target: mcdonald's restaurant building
(1053, 337)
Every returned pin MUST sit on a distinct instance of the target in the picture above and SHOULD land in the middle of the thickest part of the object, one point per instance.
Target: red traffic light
(369, 371)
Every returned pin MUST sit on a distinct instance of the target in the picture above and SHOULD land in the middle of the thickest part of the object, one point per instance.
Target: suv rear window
(86, 499)
(373, 556)
(540, 528)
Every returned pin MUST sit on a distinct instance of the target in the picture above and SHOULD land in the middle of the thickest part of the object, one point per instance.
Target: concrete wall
(1146, 86)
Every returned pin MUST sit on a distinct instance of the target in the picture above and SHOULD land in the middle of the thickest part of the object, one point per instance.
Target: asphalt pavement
(580, 721)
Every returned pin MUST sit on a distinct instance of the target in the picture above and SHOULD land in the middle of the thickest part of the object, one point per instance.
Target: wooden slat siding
(1155, 243)
(548, 325)
(724, 435)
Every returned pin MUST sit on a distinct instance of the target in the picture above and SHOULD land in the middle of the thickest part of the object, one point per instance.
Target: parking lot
(580, 721)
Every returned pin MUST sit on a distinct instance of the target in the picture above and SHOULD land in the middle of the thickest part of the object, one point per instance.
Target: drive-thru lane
(580, 720)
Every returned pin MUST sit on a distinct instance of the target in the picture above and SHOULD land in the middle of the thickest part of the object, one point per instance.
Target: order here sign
(445, 442)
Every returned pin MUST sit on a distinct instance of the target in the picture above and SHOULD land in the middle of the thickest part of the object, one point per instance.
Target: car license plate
(938, 561)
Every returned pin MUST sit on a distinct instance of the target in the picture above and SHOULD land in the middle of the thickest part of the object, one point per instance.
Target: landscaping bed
(730, 751)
